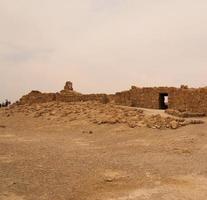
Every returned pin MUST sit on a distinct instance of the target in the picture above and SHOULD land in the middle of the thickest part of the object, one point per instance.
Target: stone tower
(68, 86)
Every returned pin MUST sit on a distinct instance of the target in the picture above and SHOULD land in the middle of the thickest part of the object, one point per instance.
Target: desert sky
(101, 45)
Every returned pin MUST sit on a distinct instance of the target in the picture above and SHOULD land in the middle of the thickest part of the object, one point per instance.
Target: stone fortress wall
(66, 95)
(183, 98)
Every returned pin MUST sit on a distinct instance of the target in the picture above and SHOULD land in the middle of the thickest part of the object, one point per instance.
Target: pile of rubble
(98, 113)
(184, 114)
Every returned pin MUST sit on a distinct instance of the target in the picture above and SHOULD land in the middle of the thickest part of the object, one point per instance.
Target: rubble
(174, 124)
(98, 113)
(184, 114)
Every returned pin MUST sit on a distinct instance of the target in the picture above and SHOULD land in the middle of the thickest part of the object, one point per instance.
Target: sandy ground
(41, 160)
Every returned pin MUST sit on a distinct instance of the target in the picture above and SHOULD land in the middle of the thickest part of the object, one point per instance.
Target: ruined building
(65, 95)
(183, 98)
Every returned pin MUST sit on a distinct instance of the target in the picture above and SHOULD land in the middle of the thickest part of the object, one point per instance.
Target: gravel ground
(79, 160)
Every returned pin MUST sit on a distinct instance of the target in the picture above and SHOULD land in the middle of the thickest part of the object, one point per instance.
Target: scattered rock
(194, 121)
(37, 107)
(37, 114)
(184, 114)
(108, 179)
(111, 176)
(132, 124)
(53, 112)
(98, 113)
(174, 124)
(89, 132)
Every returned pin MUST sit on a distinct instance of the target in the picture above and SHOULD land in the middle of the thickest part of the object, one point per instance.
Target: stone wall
(66, 95)
(184, 99)
(142, 97)
(194, 100)
(83, 97)
(37, 97)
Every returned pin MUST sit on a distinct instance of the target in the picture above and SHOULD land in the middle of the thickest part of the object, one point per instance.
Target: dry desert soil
(87, 151)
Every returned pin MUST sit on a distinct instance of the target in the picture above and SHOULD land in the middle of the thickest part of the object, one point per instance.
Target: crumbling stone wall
(142, 97)
(184, 99)
(66, 95)
(82, 97)
(37, 97)
(193, 100)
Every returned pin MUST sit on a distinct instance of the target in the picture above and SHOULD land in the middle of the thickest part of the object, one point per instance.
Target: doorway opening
(163, 100)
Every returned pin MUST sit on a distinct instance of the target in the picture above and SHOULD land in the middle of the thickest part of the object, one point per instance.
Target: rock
(37, 107)
(53, 113)
(187, 151)
(174, 124)
(158, 126)
(132, 124)
(109, 179)
(64, 114)
(37, 114)
(99, 113)
(111, 176)
(194, 121)
(141, 124)
(184, 114)
(89, 132)
(112, 121)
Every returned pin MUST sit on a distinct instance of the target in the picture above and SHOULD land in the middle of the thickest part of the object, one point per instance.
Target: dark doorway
(163, 101)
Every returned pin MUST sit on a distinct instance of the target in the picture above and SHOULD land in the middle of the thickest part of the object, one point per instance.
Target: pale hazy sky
(101, 45)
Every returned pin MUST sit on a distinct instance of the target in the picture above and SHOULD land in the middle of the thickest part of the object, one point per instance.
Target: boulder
(174, 124)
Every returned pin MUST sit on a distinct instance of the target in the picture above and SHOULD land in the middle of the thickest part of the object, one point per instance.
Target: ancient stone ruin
(65, 95)
(68, 86)
(183, 99)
